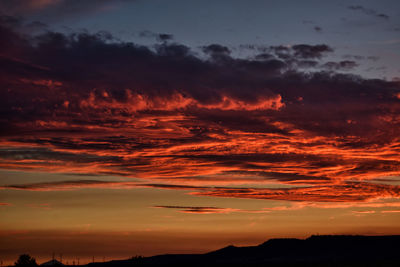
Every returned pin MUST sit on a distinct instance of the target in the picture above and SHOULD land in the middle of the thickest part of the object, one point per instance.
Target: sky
(134, 127)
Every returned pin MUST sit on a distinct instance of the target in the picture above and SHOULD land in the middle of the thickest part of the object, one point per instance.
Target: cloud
(210, 210)
(288, 53)
(92, 105)
(310, 51)
(361, 212)
(390, 211)
(162, 37)
(165, 37)
(70, 185)
(347, 192)
(368, 11)
(217, 51)
(342, 65)
(199, 210)
(318, 29)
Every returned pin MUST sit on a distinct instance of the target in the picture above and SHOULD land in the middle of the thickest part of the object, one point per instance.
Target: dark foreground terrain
(313, 251)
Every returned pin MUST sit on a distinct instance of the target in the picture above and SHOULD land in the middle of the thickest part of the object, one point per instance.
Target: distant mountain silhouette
(52, 262)
(335, 250)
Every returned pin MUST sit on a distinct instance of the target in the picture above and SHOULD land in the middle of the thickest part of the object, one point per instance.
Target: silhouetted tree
(26, 260)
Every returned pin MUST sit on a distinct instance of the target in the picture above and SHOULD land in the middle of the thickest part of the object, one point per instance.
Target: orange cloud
(390, 211)
(135, 102)
(363, 211)
(165, 115)
(347, 192)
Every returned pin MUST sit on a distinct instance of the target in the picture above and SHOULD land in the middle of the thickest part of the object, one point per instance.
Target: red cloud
(346, 192)
(167, 115)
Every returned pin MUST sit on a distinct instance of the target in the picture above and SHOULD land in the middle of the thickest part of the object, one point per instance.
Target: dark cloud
(91, 104)
(264, 56)
(191, 209)
(61, 185)
(210, 210)
(162, 37)
(46, 154)
(165, 37)
(368, 11)
(354, 57)
(216, 49)
(310, 51)
(342, 65)
(307, 63)
(293, 52)
(359, 57)
(318, 29)
(282, 52)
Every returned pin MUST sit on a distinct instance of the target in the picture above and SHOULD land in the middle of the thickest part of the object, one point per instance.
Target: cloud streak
(199, 210)
(368, 11)
(340, 193)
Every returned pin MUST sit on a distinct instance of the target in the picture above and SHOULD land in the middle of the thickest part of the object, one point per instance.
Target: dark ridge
(226, 250)
(316, 250)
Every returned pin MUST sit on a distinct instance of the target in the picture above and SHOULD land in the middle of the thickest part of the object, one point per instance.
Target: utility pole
(93, 259)
(61, 257)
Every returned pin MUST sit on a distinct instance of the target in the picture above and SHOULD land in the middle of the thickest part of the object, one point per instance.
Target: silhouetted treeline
(25, 260)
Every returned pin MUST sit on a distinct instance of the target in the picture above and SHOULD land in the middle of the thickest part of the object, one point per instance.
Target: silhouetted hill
(313, 251)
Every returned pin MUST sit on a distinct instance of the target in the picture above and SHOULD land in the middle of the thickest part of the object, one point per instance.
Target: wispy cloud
(200, 210)
(390, 211)
(70, 185)
(368, 11)
(211, 210)
(339, 193)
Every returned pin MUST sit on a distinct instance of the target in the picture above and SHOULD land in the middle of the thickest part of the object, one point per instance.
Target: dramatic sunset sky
(140, 127)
